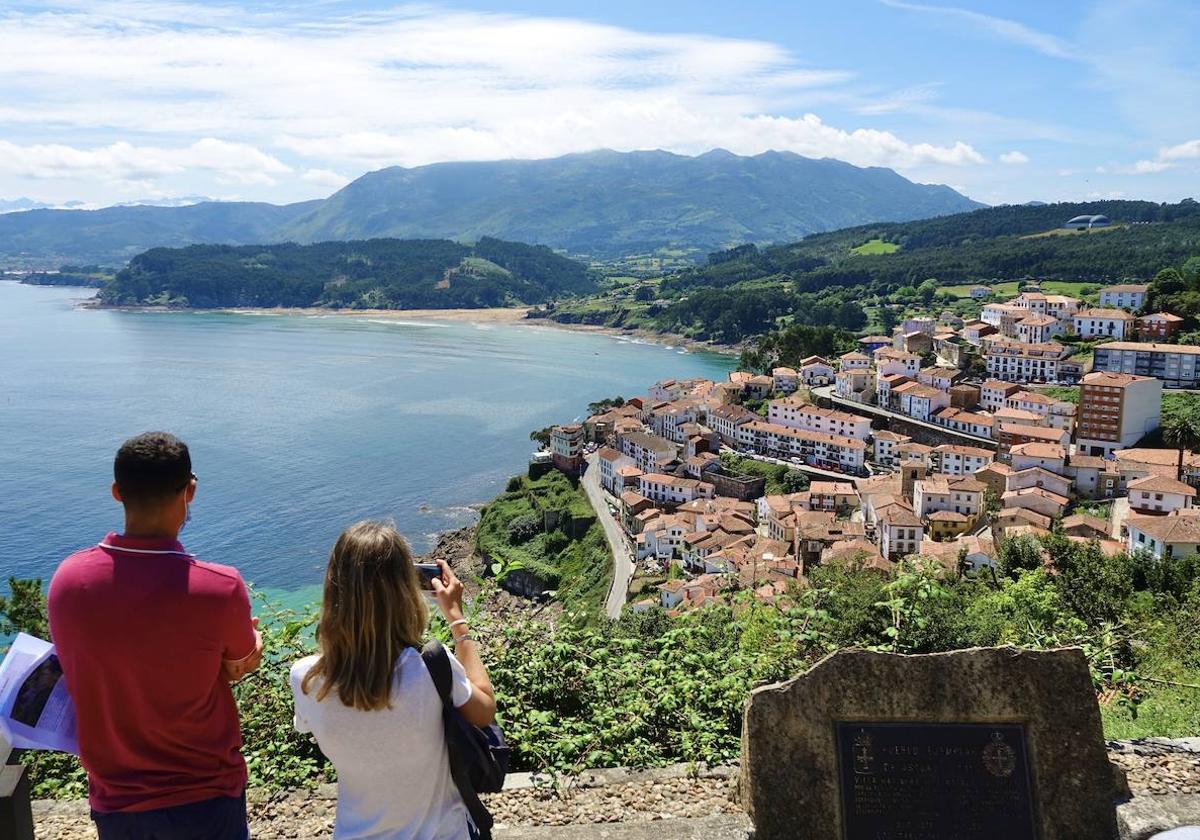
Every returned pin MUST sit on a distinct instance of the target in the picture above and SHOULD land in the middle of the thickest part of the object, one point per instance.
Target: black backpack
(478, 756)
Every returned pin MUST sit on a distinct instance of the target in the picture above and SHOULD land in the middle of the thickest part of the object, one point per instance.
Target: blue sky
(127, 100)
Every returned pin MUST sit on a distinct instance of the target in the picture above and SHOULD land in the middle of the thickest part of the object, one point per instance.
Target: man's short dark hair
(151, 468)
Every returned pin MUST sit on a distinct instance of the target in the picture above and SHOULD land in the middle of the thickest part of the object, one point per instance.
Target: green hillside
(610, 203)
(993, 243)
(376, 273)
(600, 204)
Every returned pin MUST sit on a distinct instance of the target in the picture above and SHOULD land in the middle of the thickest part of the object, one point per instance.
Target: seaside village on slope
(906, 460)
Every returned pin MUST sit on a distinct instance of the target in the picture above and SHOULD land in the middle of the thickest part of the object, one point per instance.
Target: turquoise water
(297, 425)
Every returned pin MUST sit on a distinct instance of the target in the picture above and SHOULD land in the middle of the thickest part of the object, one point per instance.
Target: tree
(795, 481)
(24, 609)
(541, 436)
(927, 290)
(1019, 553)
(601, 406)
(1181, 430)
(887, 318)
(644, 293)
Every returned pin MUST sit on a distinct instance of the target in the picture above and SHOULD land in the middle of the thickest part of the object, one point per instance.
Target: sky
(109, 101)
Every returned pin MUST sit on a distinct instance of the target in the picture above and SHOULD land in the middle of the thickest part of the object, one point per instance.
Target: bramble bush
(651, 689)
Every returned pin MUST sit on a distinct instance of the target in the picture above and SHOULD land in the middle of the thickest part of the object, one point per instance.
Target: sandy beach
(497, 315)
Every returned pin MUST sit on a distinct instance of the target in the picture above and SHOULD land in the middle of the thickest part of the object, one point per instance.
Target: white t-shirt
(393, 774)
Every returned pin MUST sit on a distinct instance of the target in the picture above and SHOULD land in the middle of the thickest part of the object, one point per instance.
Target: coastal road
(622, 556)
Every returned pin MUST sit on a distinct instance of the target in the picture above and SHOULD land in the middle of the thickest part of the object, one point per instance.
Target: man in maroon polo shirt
(150, 638)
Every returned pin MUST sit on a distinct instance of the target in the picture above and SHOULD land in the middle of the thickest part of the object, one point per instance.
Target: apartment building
(886, 444)
(650, 453)
(1116, 410)
(725, 420)
(671, 491)
(798, 414)
(566, 447)
(994, 392)
(610, 461)
(919, 401)
(1177, 365)
(786, 380)
(1038, 329)
(815, 448)
(969, 422)
(1015, 361)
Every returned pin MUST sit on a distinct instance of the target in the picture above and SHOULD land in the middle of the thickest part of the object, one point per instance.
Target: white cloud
(326, 178)
(1014, 157)
(1168, 158)
(407, 86)
(1184, 151)
(1002, 28)
(124, 162)
(663, 124)
(1145, 167)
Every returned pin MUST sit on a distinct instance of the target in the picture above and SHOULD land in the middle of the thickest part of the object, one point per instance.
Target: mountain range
(595, 204)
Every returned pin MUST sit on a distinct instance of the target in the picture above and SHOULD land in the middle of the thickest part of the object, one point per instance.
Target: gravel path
(1158, 767)
(1153, 768)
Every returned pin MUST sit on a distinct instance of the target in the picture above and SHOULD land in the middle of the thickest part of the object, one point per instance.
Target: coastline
(496, 315)
(647, 336)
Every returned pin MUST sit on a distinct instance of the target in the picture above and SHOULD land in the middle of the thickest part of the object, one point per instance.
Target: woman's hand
(448, 591)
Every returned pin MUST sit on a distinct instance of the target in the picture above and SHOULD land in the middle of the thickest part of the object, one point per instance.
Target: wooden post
(16, 814)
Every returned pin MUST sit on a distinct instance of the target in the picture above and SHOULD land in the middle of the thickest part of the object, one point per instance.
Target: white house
(960, 494)
(1176, 535)
(816, 371)
(920, 401)
(1159, 494)
(953, 459)
(786, 380)
(1128, 296)
(797, 414)
(899, 531)
(886, 444)
(610, 461)
(1103, 323)
(670, 490)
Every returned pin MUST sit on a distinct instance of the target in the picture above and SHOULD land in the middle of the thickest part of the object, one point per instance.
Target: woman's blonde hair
(372, 610)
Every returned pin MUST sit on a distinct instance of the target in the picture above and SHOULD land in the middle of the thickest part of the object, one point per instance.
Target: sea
(298, 425)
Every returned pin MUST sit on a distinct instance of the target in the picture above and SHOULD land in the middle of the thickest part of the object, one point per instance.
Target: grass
(579, 568)
(1071, 232)
(1009, 288)
(873, 247)
(1065, 393)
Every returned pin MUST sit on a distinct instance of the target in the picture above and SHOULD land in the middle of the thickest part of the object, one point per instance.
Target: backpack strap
(437, 662)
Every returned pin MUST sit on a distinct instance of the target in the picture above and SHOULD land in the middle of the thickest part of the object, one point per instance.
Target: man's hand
(233, 670)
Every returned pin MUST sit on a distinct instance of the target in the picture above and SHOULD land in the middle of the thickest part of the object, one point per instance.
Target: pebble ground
(1152, 769)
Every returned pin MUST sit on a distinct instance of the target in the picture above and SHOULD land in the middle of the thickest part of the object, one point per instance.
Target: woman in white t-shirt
(369, 701)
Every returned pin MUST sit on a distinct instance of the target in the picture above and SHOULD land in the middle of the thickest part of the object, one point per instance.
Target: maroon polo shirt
(141, 628)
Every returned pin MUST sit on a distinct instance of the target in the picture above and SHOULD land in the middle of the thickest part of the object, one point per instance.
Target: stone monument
(982, 744)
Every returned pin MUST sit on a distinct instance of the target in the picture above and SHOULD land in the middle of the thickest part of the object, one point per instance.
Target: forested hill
(998, 242)
(112, 235)
(374, 273)
(599, 204)
(607, 203)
